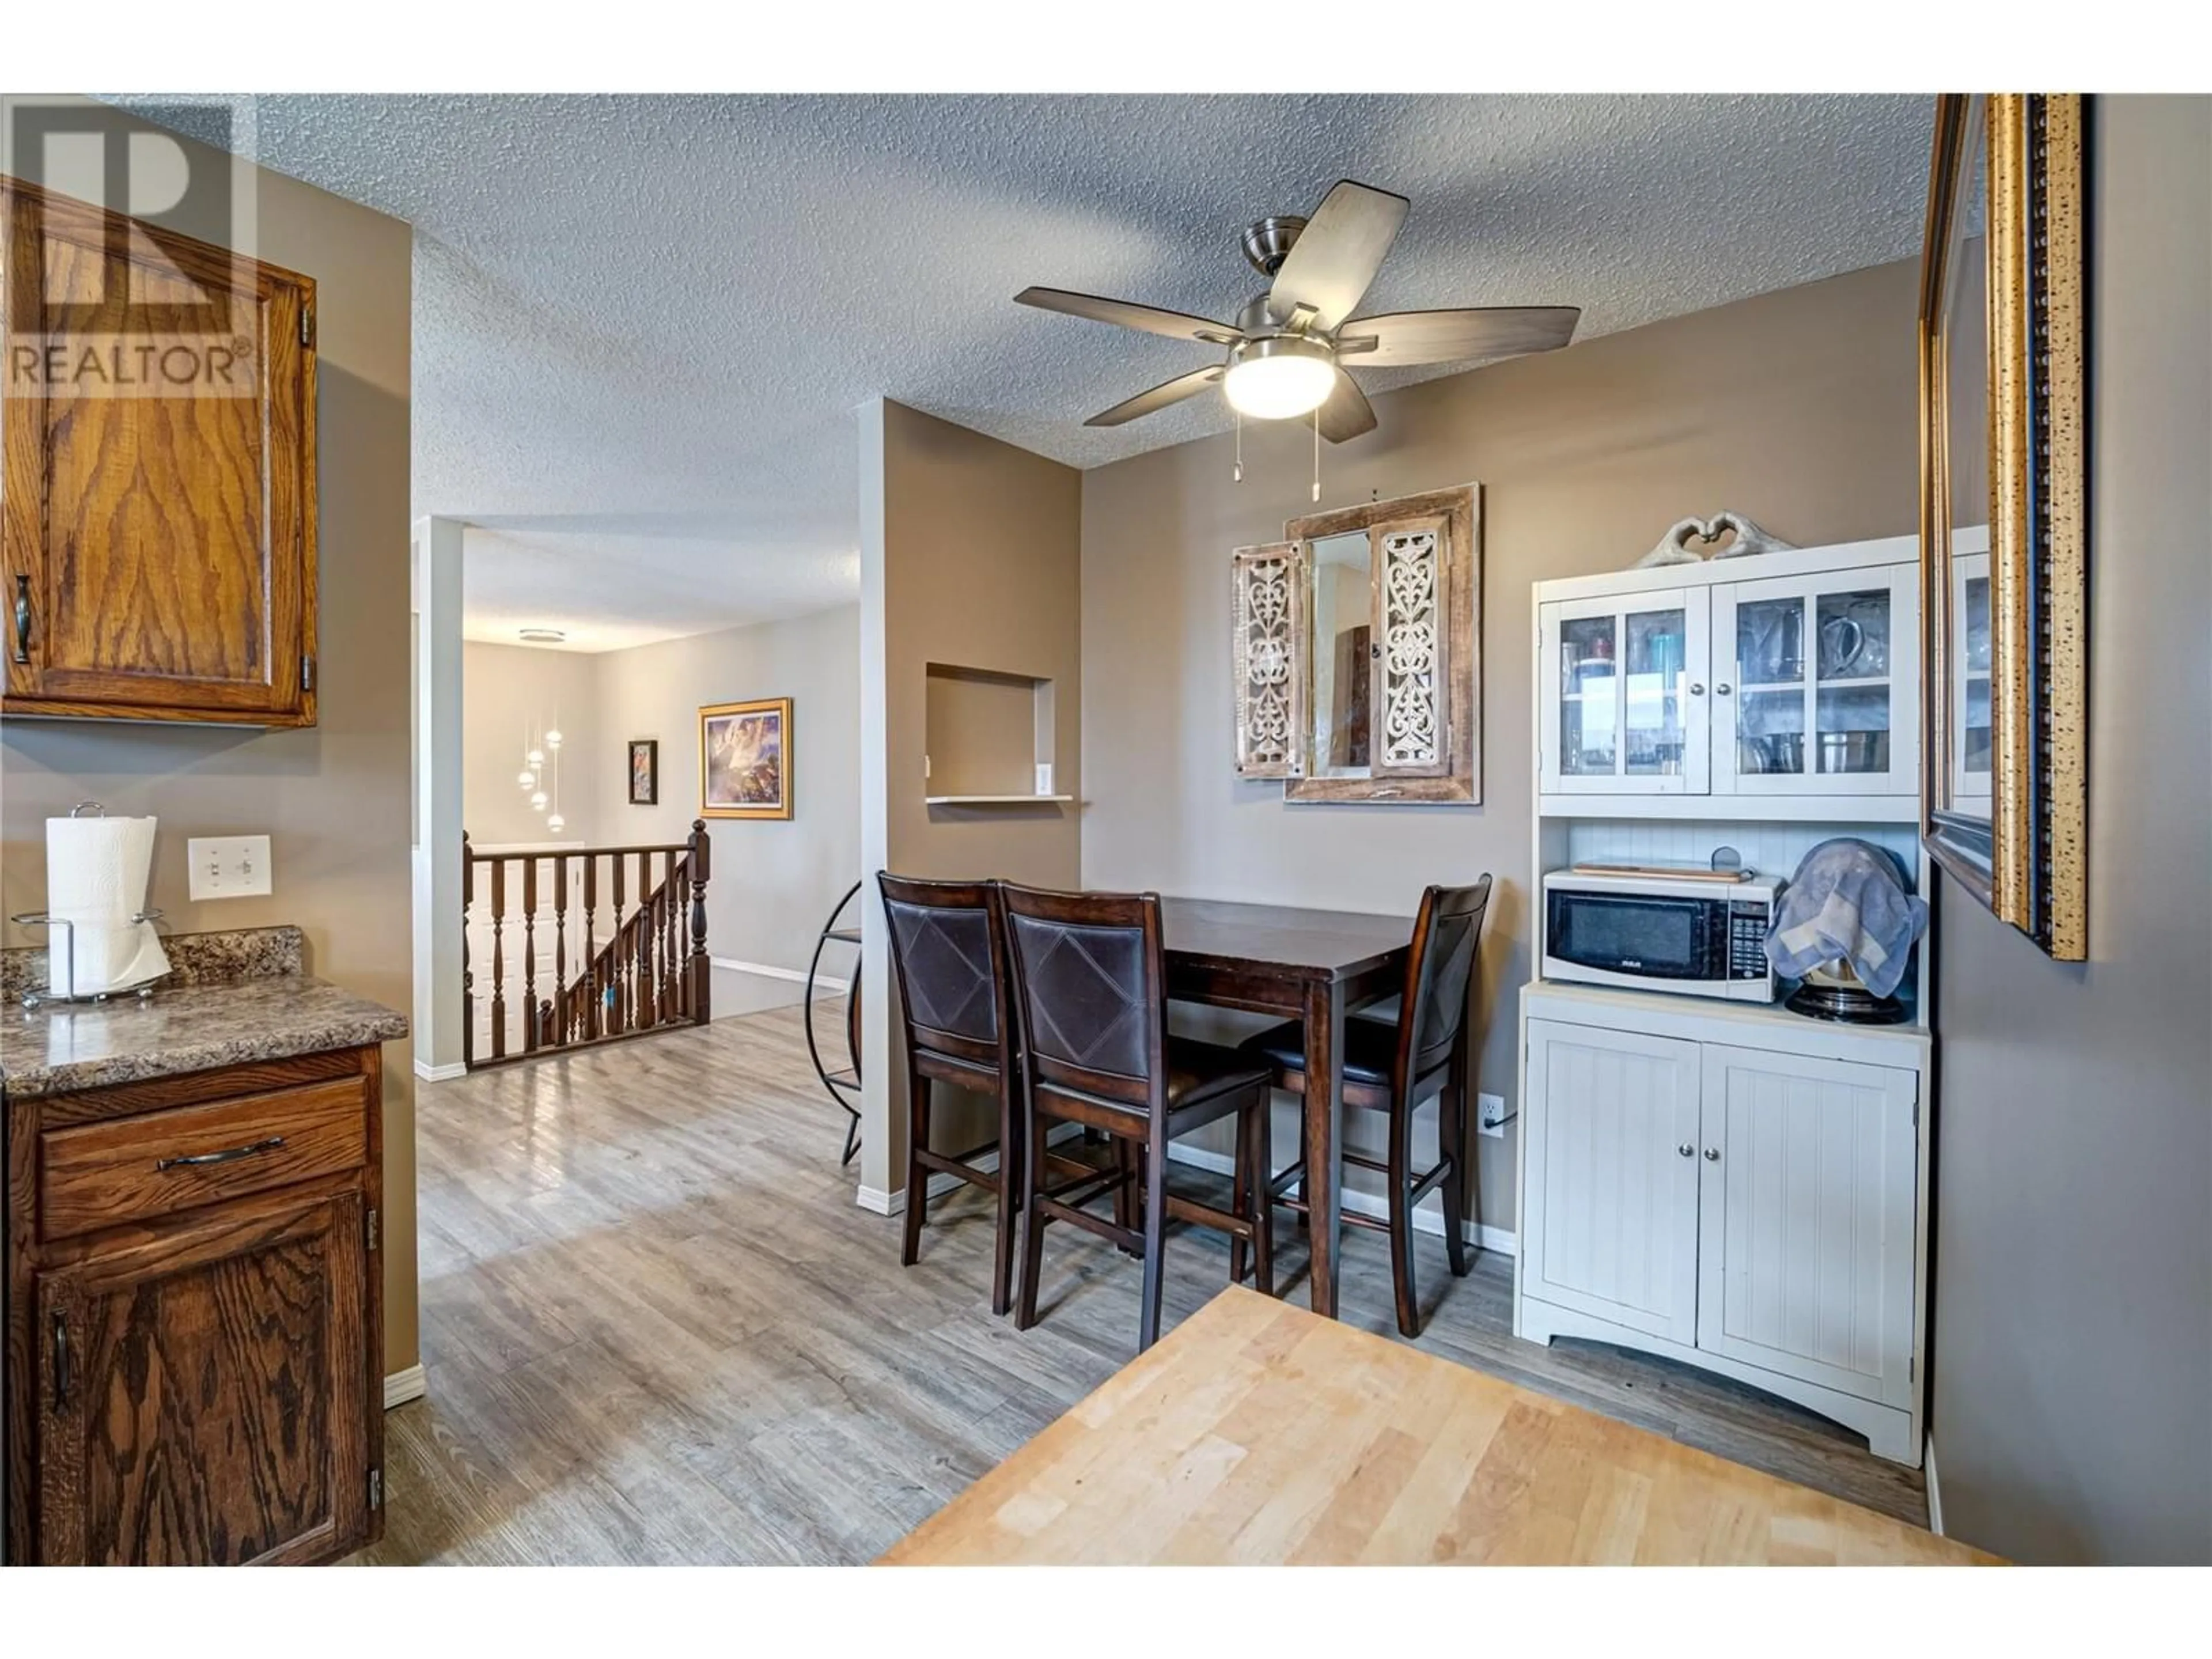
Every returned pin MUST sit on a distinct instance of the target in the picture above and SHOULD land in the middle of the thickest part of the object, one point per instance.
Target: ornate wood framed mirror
(1357, 652)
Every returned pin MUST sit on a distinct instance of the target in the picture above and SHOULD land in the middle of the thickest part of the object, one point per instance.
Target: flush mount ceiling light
(1289, 346)
(544, 636)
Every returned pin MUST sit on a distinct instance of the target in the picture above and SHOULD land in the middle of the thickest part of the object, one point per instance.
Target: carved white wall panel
(1410, 676)
(1267, 609)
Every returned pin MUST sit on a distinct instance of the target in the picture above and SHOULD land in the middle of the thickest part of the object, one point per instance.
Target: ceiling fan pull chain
(1240, 446)
(1316, 423)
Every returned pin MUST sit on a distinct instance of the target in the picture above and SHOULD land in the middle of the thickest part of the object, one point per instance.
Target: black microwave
(1659, 933)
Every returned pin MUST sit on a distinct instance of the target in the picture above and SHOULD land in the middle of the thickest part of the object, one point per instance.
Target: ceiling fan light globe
(1278, 380)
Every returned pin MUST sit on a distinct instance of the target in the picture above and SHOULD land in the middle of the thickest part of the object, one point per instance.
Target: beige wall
(775, 882)
(1797, 407)
(504, 689)
(969, 555)
(2072, 1354)
(334, 800)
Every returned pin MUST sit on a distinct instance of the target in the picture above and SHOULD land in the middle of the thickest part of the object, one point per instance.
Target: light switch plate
(1490, 1115)
(228, 866)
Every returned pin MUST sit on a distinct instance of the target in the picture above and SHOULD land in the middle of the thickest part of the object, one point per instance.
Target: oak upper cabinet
(158, 493)
(202, 1394)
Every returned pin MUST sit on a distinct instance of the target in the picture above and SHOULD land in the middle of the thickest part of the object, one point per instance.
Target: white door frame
(435, 589)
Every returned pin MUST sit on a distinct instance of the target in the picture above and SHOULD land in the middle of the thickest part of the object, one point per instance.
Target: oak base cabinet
(1732, 1187)
(196, 1379)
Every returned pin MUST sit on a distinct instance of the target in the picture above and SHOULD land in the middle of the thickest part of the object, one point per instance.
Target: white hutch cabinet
(1726, 685)
(1731, 1185)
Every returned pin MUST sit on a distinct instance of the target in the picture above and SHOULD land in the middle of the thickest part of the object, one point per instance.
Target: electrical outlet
(1490, 1115)
(233, 866)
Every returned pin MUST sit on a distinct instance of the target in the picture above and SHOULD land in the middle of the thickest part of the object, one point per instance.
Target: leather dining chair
(1392, 1067)
(949, 949)
(1090, 998)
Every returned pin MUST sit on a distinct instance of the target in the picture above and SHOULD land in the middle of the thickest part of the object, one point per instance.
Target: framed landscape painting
(744, 759)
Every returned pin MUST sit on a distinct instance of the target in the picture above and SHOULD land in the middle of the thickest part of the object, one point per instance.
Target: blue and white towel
(1848, 899)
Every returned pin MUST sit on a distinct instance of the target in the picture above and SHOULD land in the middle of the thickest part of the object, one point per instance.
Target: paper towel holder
(41, 919)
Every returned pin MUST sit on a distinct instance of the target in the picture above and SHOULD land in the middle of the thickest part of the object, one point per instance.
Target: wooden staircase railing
(652, 972)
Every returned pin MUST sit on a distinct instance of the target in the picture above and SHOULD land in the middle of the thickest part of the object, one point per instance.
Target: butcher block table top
(1258, 1433)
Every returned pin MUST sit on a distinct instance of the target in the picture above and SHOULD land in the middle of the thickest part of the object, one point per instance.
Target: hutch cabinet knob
(1712, 1154)
(1686, 1150)
(1696, 687)
(1723, 687)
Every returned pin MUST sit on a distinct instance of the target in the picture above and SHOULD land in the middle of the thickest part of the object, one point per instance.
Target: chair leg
(1033, 1167)
(1156, 1236)
(1011, 1163)
(1451, 1142)
(1124, 1195)
(1259, 1157)
(917, 1179)
(1240, 1203)
(1401, 1219)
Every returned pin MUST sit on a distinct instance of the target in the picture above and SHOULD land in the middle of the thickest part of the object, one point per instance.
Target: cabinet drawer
(137, 1169)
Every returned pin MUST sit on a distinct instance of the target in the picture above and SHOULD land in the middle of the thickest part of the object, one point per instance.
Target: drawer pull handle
(228, 1155)
(61, 1363)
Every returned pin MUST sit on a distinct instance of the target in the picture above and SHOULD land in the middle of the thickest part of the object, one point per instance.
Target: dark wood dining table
(1313, 965)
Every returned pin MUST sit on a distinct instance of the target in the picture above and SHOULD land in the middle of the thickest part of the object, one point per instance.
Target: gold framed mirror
(2003, 529)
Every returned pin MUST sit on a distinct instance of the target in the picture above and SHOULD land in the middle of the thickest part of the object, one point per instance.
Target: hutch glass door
(1815, 682)
(1625, 704)
(1970, 684)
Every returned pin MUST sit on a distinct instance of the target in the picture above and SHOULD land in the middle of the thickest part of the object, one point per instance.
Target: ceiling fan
(1290, 347)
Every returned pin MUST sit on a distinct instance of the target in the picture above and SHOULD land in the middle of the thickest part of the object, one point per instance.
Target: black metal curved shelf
(843, 1085)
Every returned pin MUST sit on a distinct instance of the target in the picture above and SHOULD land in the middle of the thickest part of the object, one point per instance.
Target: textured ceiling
(643, 324)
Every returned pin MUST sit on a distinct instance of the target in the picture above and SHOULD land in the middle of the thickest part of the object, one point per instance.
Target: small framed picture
(645, 771)
(744, 759)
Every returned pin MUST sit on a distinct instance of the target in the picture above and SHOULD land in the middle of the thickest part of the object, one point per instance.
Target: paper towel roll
(96, 876)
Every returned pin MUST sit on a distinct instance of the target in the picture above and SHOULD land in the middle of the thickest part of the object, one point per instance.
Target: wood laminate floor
(657, 1328)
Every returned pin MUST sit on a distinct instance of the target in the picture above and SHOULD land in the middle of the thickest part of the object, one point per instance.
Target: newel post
(701, 966)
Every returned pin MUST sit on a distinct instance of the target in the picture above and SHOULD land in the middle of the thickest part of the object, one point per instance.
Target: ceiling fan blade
(1126, 314)
(1347, 413)
(1451, 337)
(1338, 254)
(1168, 392)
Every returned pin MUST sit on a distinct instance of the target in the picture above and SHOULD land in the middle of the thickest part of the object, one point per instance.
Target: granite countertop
(234, 998)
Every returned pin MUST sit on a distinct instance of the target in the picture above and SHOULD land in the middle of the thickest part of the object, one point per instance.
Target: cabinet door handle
(22, 619)
(1712, 1154)
(1686, 1150)
(1696, 687)
(228, 1155)
(61, 1362)
(1723, 687)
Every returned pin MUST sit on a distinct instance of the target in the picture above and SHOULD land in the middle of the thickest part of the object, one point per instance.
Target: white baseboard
(400, 1387)
(1428, 1214)
(430, 1074)
(770, 970)
(883, 1203)
(1935, 1490)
